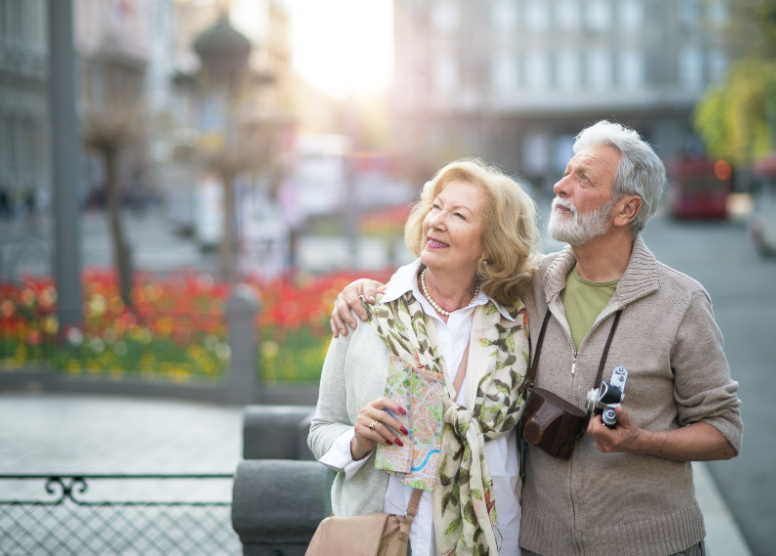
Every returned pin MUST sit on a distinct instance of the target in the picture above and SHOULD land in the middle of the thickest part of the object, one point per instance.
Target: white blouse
(501, 454)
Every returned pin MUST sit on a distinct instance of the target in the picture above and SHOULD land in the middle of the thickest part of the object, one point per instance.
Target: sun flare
(343, 46)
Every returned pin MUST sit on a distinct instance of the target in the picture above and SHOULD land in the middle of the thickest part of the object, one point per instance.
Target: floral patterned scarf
(464, 505)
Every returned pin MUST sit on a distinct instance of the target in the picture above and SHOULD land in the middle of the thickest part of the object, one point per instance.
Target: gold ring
(372, 426)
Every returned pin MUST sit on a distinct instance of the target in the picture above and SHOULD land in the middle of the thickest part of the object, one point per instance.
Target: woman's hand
(349, 299)
(376, 413)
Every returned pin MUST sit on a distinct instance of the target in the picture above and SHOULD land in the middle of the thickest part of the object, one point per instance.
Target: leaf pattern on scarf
(464, 505)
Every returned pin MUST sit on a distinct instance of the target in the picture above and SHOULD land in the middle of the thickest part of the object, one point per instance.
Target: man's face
(583, 204)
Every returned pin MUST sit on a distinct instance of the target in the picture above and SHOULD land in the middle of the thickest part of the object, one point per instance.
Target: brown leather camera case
(551, 423)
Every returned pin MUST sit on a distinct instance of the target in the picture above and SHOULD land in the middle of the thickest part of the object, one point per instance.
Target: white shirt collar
(403, 280)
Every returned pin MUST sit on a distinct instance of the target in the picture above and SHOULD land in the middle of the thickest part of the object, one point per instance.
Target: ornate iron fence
(144, 515)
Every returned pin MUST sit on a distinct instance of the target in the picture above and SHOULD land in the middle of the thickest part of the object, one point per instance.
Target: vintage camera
(602, 401)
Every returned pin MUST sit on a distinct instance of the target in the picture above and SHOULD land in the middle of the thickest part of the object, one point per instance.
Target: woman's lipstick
(435, 244)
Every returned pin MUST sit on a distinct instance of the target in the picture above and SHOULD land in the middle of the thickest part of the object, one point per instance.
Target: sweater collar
(639, 279)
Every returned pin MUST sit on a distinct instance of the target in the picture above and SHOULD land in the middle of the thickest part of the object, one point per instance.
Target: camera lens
(592, 399)
(609, 417)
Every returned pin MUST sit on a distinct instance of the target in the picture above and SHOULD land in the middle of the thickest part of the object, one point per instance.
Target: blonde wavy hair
(510, 236)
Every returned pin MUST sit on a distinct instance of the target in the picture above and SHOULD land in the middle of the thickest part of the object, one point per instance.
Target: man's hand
(349, 299)
(695, 442)
(625, 437)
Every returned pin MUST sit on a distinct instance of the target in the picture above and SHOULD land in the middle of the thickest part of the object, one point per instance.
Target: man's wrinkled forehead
(596, 159)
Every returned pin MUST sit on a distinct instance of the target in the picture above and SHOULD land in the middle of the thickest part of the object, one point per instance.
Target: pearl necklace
(433, 303)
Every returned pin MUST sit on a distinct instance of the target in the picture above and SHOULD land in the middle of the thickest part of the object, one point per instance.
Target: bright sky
(343, 46)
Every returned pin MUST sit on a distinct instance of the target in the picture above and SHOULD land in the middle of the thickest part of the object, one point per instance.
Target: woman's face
(452, 231)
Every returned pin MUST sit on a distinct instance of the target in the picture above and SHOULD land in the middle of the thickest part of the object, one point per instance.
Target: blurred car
(700, 188)
(762, 221)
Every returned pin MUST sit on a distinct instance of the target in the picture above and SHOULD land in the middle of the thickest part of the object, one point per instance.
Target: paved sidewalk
(42, 433)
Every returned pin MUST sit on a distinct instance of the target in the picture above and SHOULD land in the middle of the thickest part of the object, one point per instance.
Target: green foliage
(298, 359)
(732, 119)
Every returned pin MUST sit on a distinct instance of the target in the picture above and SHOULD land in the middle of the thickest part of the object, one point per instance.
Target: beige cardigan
(615, 503)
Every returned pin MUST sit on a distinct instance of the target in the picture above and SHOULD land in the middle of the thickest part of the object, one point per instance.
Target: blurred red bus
(700, 188)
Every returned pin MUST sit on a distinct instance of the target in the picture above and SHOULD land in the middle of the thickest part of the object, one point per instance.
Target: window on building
(536, 153)
(599, 68)
(631, 68)
(691, 68)
(598, 15)
(568, 15)
(17, 20)
(630, 14)
(444, 16)
(718, 65)
(690, 13)
(717, 12)
(446, 74)
(537, 16)
(537, 70)
(567, 69)
(3, 19)
(503, 15)
(504, 77)
(9, 145)
(3, 146)
(562, 152)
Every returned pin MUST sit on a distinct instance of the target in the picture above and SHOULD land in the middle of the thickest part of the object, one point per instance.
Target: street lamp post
(65, 161)
(224, 53)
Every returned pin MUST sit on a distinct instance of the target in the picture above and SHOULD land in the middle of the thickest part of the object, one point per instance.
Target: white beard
(578, 229)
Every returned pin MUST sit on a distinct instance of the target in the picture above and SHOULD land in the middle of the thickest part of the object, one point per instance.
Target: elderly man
(626, 490)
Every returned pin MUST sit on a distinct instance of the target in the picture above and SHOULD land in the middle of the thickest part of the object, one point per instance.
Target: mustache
(565, 203)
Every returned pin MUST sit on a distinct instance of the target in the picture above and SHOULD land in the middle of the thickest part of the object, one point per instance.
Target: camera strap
(601, 365)
(530, 380)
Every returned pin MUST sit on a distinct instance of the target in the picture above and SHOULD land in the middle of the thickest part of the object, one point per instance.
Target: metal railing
(59, 515)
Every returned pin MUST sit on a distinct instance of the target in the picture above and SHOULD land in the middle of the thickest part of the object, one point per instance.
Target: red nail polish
(404, 431)
(401, 410)
(399, 442)
(389, 443)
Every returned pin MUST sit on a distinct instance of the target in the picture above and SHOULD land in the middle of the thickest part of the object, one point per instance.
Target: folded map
(421, 393)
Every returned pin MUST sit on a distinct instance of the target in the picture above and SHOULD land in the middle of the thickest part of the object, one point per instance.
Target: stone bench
(277, 432)
(280, 493)
(278, 504)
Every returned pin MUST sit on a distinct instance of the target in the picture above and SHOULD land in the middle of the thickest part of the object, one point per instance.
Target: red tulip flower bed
(177, 330)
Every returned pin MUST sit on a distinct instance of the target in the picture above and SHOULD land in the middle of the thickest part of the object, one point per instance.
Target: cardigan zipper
(577, 541)
(577, 536)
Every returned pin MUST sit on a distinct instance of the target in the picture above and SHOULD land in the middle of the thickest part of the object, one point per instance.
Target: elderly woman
(452, 316)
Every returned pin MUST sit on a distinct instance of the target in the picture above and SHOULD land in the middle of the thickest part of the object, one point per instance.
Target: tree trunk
(227, 240)
(120, 249)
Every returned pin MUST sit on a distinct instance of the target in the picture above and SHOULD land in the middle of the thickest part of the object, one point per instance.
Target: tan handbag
(372, 534)
(365, 535)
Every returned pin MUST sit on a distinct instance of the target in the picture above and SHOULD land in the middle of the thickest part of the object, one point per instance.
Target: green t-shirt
(584, 301)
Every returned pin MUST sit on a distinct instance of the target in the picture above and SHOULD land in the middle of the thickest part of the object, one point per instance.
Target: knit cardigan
(617, 503)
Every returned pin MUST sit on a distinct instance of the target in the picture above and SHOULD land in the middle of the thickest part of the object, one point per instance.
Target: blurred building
(24, 153)
(125, 59)
(515, 80)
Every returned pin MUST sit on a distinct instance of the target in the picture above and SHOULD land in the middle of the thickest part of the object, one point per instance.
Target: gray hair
(640, 171)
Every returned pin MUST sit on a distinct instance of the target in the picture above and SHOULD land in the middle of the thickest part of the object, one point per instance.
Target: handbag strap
(409, 515)
(412, 508)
